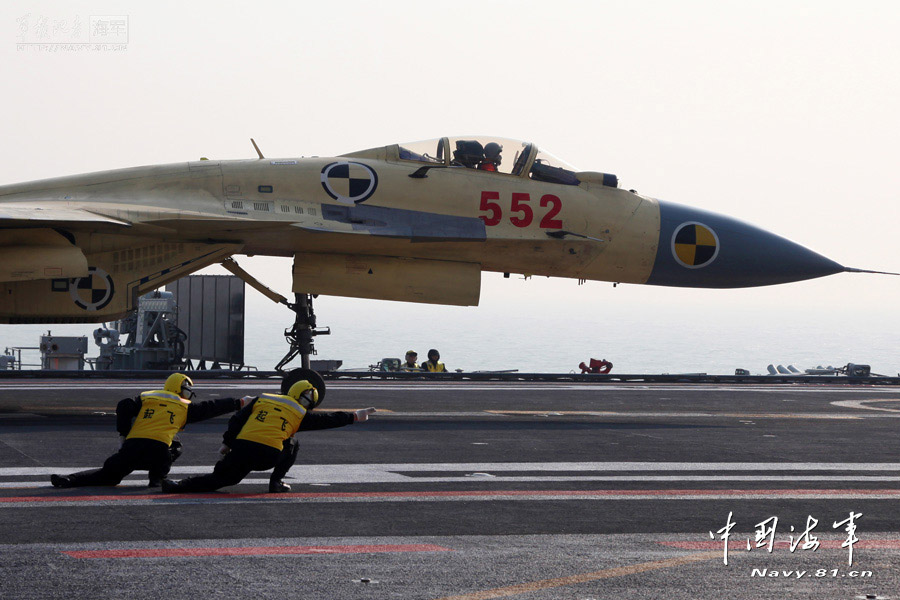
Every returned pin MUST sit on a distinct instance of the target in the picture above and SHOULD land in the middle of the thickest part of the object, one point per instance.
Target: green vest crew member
(433, 364)
(260, 437)
(148, 425)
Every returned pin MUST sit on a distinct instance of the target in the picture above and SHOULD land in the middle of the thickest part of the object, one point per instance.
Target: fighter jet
(414, 222)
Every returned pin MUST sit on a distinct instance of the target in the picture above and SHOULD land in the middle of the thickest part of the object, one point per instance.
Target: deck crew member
(260, 437)
(148, 424)
(410, 365)
(432, 365)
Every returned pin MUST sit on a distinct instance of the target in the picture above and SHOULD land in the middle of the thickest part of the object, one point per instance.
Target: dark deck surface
(469, 490)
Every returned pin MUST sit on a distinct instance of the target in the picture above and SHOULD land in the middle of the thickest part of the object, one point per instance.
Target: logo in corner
(694, 245)
(93, 292)
(349, 182)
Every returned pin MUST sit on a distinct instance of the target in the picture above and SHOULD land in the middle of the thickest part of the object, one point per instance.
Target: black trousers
(136, 454)
(245, 456)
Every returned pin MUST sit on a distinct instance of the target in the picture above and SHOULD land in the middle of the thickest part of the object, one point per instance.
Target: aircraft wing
(45, 214)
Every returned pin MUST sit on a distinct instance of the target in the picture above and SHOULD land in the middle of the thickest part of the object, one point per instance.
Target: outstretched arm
(328, 420)
(325, 420)
(200, 411)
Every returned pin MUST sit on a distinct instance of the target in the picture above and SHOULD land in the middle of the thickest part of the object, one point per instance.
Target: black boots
(61, 481)
(171, 487)
(276, 486)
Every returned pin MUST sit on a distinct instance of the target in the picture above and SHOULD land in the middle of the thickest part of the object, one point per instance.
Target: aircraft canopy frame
(464, 151)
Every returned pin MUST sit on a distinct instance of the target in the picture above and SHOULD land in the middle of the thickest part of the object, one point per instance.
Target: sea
(554, 334)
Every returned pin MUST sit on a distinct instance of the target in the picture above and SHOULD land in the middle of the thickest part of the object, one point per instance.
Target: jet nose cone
(704, 249)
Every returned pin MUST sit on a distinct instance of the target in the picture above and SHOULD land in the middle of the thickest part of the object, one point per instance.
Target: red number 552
(522, 213)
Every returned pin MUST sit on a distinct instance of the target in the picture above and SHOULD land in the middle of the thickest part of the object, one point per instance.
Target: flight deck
(471, 490)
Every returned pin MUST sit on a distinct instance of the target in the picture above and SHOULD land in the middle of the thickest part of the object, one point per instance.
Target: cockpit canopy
(494, 154)
(501, 156)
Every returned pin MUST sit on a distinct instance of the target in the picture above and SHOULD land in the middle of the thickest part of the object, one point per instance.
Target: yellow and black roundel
(694, 245)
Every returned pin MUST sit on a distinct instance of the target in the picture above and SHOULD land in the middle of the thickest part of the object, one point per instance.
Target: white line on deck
(417, 473)
(158, 499)
(142, 482)
(864, 404)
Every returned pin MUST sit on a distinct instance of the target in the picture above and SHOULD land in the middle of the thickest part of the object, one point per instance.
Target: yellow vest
(163, 414)
(439, 368)
(274, 419)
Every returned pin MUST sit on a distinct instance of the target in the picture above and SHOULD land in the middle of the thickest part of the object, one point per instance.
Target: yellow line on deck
(524, 588)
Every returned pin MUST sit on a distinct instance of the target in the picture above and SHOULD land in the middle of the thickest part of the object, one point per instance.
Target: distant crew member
(260, 437)
(492, 158)
(410, 365)
(148, 424)
(432, 365)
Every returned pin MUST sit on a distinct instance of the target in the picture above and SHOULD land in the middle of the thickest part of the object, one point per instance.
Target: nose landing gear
(299, 336)
(300, 341)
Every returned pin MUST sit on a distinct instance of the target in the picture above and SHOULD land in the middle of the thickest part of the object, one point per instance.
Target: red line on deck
(251, 551)
(458, 494)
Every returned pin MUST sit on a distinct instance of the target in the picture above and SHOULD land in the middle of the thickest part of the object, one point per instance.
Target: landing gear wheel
(294, 375)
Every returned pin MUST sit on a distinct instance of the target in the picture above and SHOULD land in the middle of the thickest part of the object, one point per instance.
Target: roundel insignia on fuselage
(93, 292)
(349, 182)
(694, 245)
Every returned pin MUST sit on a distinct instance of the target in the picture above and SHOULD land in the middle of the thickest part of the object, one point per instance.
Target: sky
(783, 114)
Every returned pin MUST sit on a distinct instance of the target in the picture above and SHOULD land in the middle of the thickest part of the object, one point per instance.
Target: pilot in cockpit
(492, 158)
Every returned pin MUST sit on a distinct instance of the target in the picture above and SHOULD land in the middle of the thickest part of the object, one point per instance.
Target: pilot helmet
(492, 151)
